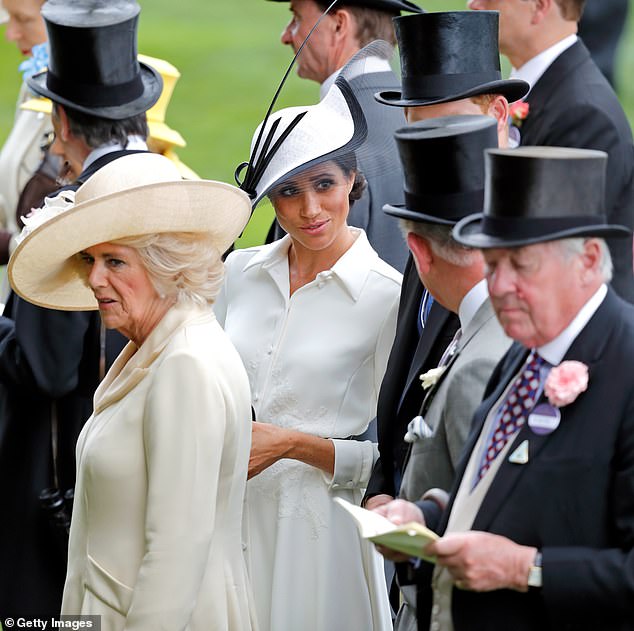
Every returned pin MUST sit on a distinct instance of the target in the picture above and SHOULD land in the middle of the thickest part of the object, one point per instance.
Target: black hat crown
(93, 63)
(443, 166)
(537, 194)
(449, 56)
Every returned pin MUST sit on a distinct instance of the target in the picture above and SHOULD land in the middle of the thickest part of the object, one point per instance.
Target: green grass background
(231, 60)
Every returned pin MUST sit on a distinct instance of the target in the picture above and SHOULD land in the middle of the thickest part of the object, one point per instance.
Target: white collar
(471, 302)
(554, 351)
(368, 65)
(135, 143)
(352, 268)
(534, 68)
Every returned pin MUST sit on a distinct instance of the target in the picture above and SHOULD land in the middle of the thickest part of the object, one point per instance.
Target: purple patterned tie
(519, 402)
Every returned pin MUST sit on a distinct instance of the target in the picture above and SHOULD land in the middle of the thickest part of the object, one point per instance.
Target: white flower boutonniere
(566, 382)
(53, 206)
(429, 378)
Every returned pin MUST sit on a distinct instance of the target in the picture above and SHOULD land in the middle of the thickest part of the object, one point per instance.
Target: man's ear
(422, 253)
(591, 260)
(64, 126)
(541, 10)
(499, 109)
(344, 22)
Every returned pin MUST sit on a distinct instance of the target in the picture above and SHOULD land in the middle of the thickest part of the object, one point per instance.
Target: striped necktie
(520, 400)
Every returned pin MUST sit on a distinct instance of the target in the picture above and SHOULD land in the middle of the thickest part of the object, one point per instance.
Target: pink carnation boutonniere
(519, 112)
(566, 382)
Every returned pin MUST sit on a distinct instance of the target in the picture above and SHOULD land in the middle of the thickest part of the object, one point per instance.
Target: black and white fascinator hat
(294, 139)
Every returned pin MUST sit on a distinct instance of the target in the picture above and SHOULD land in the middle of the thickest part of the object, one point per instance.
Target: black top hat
(389, 6)
(537, 194)
(443, 166)
(449, 56)
(93, 65)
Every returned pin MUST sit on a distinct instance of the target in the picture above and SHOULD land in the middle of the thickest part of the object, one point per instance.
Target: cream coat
(20, 156)
(161, 474)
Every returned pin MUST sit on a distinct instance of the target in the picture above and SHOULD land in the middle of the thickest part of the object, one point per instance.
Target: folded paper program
(411, 538)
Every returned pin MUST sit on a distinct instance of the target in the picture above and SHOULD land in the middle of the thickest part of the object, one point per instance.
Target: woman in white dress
(313, 317)
(162, 462)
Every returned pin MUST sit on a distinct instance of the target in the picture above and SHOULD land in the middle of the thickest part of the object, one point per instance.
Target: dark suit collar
(436, 320)
(566, 63)
(102, 161)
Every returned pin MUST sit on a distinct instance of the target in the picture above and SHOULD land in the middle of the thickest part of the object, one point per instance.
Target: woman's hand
(269, 443)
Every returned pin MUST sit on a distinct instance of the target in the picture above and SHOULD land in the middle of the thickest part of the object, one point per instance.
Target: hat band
(435, 86)
(531, 228)
(96, 95)
(448, 206)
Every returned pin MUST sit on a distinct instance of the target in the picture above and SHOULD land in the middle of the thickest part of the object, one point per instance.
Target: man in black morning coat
(51, 361)
(571, 104)
(538, 534)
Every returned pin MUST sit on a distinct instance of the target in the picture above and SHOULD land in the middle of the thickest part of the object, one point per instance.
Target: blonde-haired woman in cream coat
(162, 462)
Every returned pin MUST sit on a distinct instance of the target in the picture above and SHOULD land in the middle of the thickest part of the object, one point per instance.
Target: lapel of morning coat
(134, 363)
(482, 316)
(436, 321)
(540, 98)
(587, 348)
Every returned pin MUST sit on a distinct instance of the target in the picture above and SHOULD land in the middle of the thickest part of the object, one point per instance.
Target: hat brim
(158, 130)
(164, 133)
(45, 270)
(38, 104)
(512, 89)
(468, 232)
(402, 212)
(152, 87)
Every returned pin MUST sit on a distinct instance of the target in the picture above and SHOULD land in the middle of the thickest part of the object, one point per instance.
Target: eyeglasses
(47, 141)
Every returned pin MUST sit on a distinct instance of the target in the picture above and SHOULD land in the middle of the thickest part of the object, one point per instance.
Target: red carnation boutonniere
(519, 112)
(566, 382)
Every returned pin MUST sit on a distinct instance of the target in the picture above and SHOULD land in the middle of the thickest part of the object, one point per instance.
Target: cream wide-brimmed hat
(138, 194)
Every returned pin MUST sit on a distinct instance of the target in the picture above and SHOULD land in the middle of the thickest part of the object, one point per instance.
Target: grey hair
(97, 131)
(186, 266)
(575, 247)
(441, 241)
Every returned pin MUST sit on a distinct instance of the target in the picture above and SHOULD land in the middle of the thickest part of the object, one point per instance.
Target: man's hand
(377, 500)
(482, 562)
(399, 512)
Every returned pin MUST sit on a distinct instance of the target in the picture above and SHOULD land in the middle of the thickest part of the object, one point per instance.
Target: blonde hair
(483, 101)
(184, 265)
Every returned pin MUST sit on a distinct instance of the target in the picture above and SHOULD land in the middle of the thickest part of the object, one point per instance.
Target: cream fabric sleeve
(354, 460)
(184, 434)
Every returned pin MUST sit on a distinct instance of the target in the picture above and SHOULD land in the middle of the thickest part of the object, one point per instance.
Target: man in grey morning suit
(443, 163)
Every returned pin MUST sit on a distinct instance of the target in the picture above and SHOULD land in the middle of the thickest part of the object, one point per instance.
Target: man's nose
(501, 281)
(287, 34)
